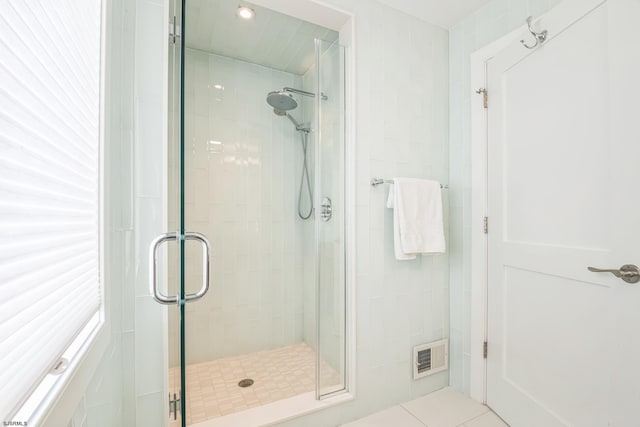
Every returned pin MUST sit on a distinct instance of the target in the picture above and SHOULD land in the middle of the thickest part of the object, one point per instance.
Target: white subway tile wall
(488, 24)
(79, 418)
(241, 164)
(127, 388)
(151, 404)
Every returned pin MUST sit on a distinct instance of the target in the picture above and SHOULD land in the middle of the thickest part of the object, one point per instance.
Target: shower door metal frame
(321, 218)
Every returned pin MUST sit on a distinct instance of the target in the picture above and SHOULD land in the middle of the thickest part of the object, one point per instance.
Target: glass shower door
(330, 219)
(169, 286)
(220, 184)
(189, 259)
(174, 219)
(174, 216)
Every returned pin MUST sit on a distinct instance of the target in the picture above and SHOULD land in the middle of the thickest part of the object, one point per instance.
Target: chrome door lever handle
(628, 272)
(616, 273)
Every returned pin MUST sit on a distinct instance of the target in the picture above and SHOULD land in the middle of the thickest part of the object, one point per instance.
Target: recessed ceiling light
(245, 12)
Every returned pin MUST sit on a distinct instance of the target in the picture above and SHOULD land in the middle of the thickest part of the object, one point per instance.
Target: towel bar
(377, 181)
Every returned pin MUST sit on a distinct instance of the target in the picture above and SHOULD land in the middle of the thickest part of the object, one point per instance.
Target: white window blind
(49, 185)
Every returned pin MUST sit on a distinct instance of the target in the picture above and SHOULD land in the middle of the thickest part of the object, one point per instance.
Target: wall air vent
(430, 358)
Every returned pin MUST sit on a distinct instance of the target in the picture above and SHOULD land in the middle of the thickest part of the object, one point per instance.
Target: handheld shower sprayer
(282, 102)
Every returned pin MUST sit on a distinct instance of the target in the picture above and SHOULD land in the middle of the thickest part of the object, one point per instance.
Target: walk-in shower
(272, 325)
(282, 102)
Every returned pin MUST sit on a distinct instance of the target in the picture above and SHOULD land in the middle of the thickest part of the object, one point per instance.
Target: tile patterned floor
(213, 391)
(443, 408)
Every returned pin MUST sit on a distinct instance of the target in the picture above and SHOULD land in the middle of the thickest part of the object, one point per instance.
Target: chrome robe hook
(540, 37)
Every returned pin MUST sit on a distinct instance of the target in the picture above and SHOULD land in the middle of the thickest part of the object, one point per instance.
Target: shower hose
(305, 177)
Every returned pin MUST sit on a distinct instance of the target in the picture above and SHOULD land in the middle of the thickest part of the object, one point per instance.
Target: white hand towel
(417, 217)
(397, 245)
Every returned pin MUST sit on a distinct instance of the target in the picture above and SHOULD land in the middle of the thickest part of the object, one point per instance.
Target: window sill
(55, 399)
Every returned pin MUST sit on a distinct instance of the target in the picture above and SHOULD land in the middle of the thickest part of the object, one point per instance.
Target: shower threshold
(276, 412)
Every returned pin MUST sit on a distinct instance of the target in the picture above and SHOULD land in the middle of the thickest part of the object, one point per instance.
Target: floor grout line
(489, 410)
(453, 404)
(478, 416)
(411, 413)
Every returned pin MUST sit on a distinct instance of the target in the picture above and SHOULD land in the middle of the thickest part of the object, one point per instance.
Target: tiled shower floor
(213, 391)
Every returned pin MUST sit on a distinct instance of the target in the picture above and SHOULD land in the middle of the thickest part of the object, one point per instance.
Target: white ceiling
(444, 13)
(271, 39)
(285, 43)
(316, 11)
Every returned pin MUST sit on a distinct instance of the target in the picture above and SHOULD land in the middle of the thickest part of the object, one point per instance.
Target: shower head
(281, 102)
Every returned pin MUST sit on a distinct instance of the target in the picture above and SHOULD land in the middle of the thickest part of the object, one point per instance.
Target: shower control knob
(326, 209)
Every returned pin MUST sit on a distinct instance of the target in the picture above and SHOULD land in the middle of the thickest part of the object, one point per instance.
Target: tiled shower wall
(241, 185)
(488, 24)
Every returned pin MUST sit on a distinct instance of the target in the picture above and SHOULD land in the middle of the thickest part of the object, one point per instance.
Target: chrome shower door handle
(204, 243)
(153, 270)
(153, 267)
(628, 272)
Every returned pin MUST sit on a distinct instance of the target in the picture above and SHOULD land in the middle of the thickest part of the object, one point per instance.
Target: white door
(564, 181)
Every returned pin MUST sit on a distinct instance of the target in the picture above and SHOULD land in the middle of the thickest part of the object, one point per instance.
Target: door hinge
(485, 223)
(485, 347)
(485, 96)
(174, 406)
(174, 30)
